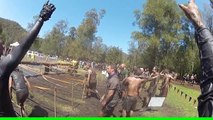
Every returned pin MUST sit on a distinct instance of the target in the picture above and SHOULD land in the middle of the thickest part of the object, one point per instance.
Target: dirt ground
(67, 99)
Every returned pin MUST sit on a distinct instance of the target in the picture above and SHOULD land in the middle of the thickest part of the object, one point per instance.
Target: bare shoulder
(130, 78)
(134, 78)
(89, 71)
(169, 75)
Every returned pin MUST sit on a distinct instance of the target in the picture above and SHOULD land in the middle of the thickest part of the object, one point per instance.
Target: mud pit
(68, 101)
(69, 90)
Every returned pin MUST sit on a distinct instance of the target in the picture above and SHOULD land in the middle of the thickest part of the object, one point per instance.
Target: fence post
(84, 88)
(72, 94)
(55, 113)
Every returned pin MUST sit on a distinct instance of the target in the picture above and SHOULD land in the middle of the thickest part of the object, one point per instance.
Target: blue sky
(115, 28)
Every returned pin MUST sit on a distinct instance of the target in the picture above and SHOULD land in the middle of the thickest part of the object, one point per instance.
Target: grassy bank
(178, 103)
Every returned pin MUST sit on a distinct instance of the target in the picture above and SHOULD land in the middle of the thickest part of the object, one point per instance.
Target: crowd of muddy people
(121, 84)
(126, 86)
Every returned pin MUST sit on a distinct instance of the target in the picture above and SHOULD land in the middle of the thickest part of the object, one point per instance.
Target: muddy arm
(11, 61)
(204, 41)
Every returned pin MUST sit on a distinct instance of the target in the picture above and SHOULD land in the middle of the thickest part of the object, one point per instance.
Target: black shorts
(21, 96)
(109, 108)
(129, 103)
(92, 85)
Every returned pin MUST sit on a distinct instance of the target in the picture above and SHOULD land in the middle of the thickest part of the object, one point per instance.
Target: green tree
(55, 41)
(82, 39)
(11, 31)
(99, 50)
(159, 23)
(187, 53)
(114, 55)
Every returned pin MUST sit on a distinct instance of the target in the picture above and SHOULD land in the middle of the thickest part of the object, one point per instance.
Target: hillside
(11, 31)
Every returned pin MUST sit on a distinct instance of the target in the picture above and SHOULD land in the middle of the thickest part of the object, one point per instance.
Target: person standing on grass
(166, 83)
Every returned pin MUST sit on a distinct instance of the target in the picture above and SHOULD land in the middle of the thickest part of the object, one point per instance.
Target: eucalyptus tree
(113, 55)
(159, 23)
(54, 41)
(83, 37)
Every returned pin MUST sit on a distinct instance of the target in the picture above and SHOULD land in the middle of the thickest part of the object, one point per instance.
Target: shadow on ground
(38, 112)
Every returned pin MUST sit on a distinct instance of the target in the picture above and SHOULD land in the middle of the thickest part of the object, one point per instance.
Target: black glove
(47, 11)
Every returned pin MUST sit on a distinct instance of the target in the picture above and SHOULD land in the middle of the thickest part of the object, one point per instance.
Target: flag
(178, 91)
(185, 96)
(181, 93)
(190, 98)
(195, 101)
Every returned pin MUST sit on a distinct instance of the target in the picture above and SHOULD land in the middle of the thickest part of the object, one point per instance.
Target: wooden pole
(84, 88)
(72, 95)
(97, 78)
(55, 102)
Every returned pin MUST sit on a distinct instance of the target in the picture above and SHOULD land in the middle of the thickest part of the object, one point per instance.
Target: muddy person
(91, 82)
(21, 86)
(204, 41)
(11, 61)
(167, 77)
(123, 72)
(133, 85)
(154, 78)
(145, 73)
(111, 97)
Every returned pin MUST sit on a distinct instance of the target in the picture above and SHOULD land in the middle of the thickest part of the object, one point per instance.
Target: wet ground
(60, 94)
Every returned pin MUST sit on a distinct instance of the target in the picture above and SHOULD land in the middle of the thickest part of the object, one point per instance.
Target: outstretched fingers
(47, 2)
(52, 7)
(185, 10)
(47, 10)
(183, 7)
(191, 1)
